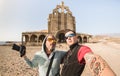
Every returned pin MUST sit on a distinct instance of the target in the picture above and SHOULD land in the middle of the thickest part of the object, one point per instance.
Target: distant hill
(114, 35)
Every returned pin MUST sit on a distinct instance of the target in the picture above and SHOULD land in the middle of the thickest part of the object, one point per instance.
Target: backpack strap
(49, 67)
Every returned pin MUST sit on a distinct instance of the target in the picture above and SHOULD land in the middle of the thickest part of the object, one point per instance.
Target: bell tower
(60, 19)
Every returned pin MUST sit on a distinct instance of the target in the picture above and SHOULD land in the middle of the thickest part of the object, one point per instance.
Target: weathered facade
(59, 20)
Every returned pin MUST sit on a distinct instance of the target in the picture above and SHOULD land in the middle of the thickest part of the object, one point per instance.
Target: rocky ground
(11, 64)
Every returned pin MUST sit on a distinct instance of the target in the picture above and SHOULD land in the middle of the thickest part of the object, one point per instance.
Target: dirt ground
(11, 64)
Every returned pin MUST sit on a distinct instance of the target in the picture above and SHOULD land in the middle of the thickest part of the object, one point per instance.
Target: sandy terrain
(11, 64)
(110, 52)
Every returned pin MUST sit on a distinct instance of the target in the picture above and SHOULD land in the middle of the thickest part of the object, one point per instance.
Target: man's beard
(52, 49)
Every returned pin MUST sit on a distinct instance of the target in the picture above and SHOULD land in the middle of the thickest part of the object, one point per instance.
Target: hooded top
(41, 60)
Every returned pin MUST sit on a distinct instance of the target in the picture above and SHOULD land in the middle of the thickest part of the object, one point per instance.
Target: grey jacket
(41, 60)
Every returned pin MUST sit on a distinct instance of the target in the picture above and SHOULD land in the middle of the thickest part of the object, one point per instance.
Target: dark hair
(67, 30)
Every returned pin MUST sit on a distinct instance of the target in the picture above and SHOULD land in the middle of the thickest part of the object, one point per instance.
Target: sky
(91, 16)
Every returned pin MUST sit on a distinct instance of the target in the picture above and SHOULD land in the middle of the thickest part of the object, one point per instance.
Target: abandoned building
(58, 21)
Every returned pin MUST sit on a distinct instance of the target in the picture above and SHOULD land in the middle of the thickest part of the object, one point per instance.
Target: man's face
(50, 43)
(70, 38)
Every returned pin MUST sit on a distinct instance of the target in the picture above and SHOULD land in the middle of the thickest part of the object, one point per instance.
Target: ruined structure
(58, 21)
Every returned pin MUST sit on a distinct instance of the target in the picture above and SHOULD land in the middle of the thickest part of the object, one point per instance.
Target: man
(42, 58)
(78, 56)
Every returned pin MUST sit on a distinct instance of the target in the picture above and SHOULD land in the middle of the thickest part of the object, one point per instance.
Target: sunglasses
(51, 39)
(69, 35)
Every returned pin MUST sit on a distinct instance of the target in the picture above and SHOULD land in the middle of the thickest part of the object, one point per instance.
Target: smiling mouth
(53, 44)
(69, 41)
